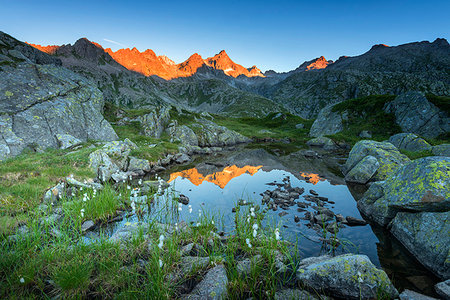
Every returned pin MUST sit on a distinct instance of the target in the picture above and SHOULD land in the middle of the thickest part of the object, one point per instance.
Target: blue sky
(276, 35)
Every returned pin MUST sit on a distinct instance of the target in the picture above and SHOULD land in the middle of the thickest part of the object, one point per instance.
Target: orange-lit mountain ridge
(149, 64)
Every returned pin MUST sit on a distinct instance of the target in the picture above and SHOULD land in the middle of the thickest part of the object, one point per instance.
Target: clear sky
(276, 35)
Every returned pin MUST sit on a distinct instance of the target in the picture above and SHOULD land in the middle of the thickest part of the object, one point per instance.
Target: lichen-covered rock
(411, 295)
(328, 122)
(323, 142)
(346, 276)
(427, 236)
(40, 101)
(363, 171)
(213, 285)
(183, 134)
(137, 164)
(421, 185)
(388, 157)
(414, 113)
(154, 123)
(409, 142)
(441, 150)
(66, 141)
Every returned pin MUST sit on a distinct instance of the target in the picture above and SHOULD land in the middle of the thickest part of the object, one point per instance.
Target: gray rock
(87, 225)
(125, 233)
(183, 134)
(137, 164)
(153, 124)
(409, 142)
(327, 122)
(66, 141)
(411, 295)
(421, 185)
(213, 285)
(348, 276)
(443, 289)
(290, 294)
(40, 100)
(88, 184)
(323, 142)
(365, 134)
(427, 236)
(363, 171)
(212, 135)
(414, 113)
(299, 126)
(441, 150)
(388, 157)
(244, 267)
(182, 158)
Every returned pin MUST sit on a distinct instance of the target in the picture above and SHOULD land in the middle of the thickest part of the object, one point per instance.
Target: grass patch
(442, 102)
(415, 155)
(366, 113)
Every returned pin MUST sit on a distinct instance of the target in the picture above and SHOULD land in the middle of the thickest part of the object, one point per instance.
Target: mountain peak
(315, 64)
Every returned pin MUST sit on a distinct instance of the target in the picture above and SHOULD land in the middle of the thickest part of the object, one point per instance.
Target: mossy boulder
(137, 164)
(323, 142)
(421, 185)
(427, 236)
(66, 141)
(346, 276)
(363, 171)
(387, 155)
(409, 142)
(153, 123)
(183, 134)
(441, 150)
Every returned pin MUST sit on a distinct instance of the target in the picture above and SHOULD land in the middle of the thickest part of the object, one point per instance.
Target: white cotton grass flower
(190, 209)
(198, 224)
(277, 234)
(180, 207)
(176, 226)
(248, 242)
(140, 181)
(161, 241)
(255, 229)
(360, 280)
(212, 222)
(161, 263)
(22, 280)
(128, 187)
(82, 212)
(248, 219)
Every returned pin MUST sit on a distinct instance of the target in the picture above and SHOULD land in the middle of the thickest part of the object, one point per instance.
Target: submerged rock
(348, 276)
(427, 236)
(388, 157)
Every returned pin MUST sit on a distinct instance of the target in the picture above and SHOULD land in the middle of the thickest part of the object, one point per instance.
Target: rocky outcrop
(421, 185)
(42, 103)
(154, 123)
(414, 113)
(363, 171)
(409, 142)
(323, 142)
(346, 276)
(441, 150)
(427, 236)
(328, 122)
(386, 154)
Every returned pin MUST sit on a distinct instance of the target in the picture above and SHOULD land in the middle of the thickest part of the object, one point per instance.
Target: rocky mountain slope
(42, 104)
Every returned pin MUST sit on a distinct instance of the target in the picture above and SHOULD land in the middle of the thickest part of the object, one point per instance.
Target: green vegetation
(52, 259)
(366, 113)
(441, 102)
(415, 155)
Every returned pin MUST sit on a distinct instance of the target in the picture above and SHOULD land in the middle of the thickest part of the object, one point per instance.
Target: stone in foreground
(347, 276)
(213, 285)
(289, 294)
(363, 171)
(427, 236)
(443, 289)
(411, 295)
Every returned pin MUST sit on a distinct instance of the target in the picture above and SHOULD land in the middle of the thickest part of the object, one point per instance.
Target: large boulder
(38, 102)
(441, 150)
(345, 276)
(183, 134)
(409, 142)
(427, 236)
(414, 113)
(212, 135)
(387, 155)
(153, 124)
(323, 142)
(328, 122)
(213, 285)
(363, 171)
(421, 185)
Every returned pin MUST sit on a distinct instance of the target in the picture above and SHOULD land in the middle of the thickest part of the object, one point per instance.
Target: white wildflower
(82, 212)
(190, 209)
(212, 222)
(22, 280)
(161, 241)
(128, 187)
(160, 263)
(248, 243)
(176, 226)
(277, 234)
(198, 224)
(180, 207)
(140, 182)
